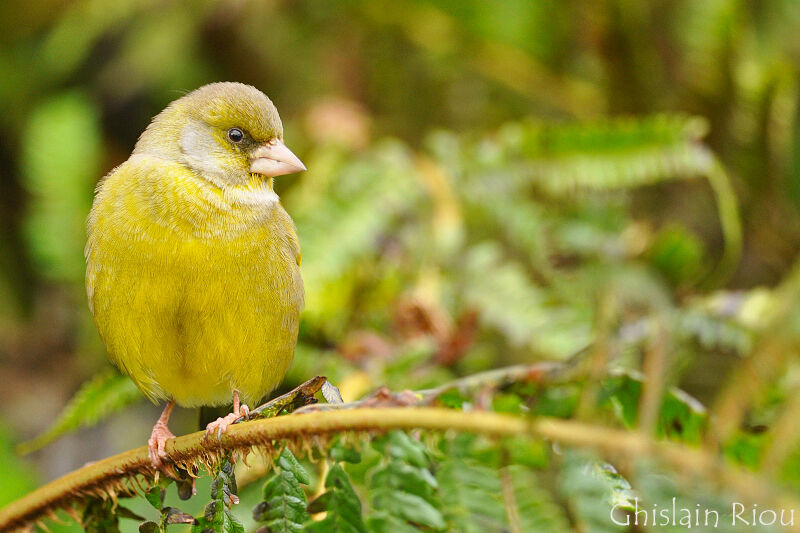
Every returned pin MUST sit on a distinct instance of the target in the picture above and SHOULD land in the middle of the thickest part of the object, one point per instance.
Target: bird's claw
(220, 425)
(156, 447)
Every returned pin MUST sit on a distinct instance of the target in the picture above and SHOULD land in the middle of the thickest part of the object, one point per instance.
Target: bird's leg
(220, 425)
(159, 437)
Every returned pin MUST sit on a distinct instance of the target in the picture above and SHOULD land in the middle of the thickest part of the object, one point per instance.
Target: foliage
(284, 507)
(403, 488)
(577, 280)
(97, 399)
(422, 481)
(217, 516)
(595, 201)
(340, 504)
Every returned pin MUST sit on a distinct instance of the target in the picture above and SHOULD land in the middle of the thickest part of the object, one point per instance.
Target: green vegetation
(578, 219)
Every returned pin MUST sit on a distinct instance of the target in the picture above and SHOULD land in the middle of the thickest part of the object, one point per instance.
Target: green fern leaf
(397, 474)
(407, 506)
(400, 445)
(613, 154)
(341, 504)
(619, 153)
(470, 495)
(289, 463)
(381, 522)
(523, 225)
(523, 311)
(591, 494)
(98, 398)
(532, 507)
(342, 453)
(402, 486)
(681, 416)
(217, 516)
(340, 217)
(283, 509)
(714, 332)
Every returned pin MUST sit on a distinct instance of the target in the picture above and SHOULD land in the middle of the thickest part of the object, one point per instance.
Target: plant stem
(109, 476)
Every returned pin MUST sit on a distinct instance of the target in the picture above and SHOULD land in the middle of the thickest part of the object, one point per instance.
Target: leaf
(287, 461)
(401, 446)
(103, 395)
(402, 476)
(341, 210)
(613, 153)
(714, 332)
(99, 517)
(149, 527)
(511, 302)
(171, 515)
(533, 507)
(217, 517)
(681, 417)
(155, 495)
(340, 453)
(341, 504)
(470, 495)
(283, 508)
(408, 506)
(590, 493)
(402, 486)
(385, 523)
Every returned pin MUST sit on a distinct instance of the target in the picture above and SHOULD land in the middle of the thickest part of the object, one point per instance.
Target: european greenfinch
(193, 265)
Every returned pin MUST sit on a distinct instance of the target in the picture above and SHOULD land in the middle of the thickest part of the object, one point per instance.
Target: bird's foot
(156, 447)
(220, 425)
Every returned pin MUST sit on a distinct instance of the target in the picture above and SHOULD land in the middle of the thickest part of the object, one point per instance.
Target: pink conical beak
(275, 159)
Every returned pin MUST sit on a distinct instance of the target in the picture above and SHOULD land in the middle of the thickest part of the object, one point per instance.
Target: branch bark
(112, 474)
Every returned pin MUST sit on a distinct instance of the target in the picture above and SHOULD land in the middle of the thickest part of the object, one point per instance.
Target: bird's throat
(257, 180)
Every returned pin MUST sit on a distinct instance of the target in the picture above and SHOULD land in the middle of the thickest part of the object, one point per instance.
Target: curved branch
(110, 475)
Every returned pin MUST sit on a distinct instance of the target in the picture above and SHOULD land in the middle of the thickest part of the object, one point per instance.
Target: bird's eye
(235, 135)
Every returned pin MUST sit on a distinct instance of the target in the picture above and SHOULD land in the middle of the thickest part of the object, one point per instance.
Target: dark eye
(235, 135)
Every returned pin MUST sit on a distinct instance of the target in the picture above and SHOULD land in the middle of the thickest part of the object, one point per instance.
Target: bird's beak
(275, 159)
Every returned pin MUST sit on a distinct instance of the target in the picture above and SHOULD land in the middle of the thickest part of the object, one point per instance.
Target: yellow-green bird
(193, 265)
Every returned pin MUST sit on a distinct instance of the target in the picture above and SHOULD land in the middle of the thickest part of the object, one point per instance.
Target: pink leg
(158, 438)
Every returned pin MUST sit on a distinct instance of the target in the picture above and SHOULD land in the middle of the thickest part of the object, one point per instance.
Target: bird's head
(228, 133)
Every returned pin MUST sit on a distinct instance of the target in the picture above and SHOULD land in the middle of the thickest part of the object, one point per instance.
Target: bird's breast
(193, 295)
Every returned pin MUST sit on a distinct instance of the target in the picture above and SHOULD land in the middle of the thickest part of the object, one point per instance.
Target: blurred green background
(413, 116)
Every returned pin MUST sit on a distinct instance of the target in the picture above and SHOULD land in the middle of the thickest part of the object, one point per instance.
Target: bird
(192, 264)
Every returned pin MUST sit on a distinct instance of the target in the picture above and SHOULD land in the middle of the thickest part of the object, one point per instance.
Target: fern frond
(590, 493)
(283, 509)
(341, 504)
(530, 507)
(470, 494)
(619, 153)
(614, 154)
(511, 302)
(98, 398)
(341, 223)
(403, 486)
(712, 332)
(217, 516)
